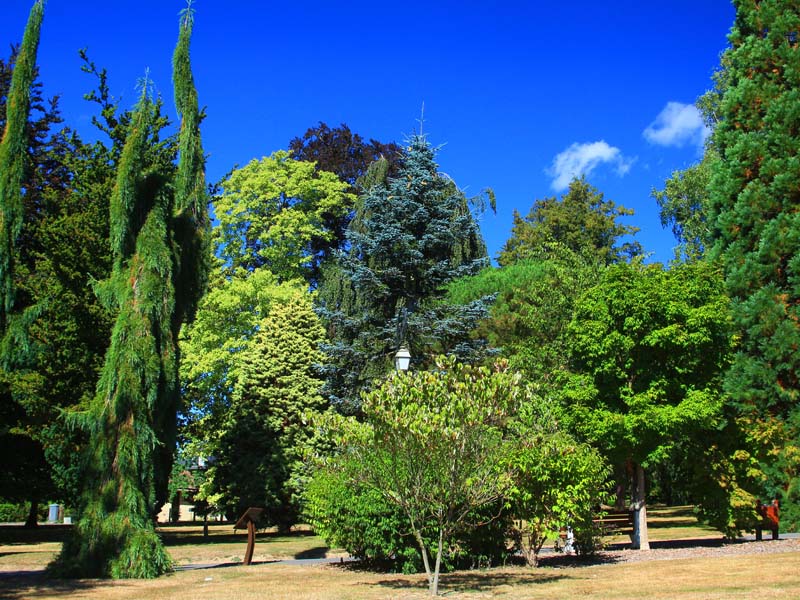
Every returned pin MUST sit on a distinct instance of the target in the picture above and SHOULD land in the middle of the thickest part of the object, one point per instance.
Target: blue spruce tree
(411, 236)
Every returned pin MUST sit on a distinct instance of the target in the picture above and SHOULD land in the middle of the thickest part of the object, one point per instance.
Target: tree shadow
(716, 542)
(475, 581)
(573, 561)
(225, 565)
(16, 535)
(181, 538)
(316, 552)
(21, 585)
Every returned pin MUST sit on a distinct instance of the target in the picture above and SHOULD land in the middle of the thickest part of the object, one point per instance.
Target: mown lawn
(747, 576)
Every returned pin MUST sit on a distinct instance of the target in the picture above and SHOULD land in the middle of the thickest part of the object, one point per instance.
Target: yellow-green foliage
(273, 209)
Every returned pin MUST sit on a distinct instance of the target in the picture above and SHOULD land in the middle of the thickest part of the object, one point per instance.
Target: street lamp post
(402, 359)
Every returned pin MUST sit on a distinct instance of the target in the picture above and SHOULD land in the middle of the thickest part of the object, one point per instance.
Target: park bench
(770, 518)
(612, 522)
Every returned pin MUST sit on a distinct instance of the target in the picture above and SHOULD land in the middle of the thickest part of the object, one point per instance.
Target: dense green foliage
(24, 475)
(274, 213)
(648, 350)
(13, 159)
(157, 274)
(756, 232)
(411, 236)
(347, 155)
(582, 220)
(250, 358)
(558, 483)
(258, 450)
(359, 519)
(330, 256)
(433, 444)
(534, 303)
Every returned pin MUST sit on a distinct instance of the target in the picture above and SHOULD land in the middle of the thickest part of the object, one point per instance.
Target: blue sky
(520, 95)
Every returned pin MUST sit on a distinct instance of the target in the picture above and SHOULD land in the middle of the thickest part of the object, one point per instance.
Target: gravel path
(699, 548)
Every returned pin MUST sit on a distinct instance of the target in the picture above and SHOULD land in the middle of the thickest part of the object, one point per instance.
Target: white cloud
(677, 125)
(582, 159)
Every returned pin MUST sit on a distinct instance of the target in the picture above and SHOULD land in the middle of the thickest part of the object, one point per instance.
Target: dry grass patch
(751, 576)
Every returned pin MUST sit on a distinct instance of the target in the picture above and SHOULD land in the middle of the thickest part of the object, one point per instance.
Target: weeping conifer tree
(14, 145)
(13, 158)
(158, 235)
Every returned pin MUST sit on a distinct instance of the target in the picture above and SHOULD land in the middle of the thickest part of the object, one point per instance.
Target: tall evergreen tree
(158, 227)
(583, 221)
(411, 236)
(13, 158)
(259, 446)
(756, 230)
(30, 476)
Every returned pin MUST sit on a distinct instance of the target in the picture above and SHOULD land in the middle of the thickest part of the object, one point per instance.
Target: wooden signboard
(248, 521)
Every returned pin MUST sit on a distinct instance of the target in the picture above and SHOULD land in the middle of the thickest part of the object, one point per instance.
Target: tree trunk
(33, 514)
(434, 587)
(424, 553)
(640, 539)
(623, 478)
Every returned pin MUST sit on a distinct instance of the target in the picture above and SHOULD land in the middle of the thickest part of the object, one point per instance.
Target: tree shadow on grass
(13, 535)
(21, 585)
(225, 565)
(180, 538)
(713, 542)
(476, 581)
(572, 561)
(316, 552)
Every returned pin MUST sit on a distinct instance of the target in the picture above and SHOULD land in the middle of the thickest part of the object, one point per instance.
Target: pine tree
(157, 231)
(756, 230)
(410, 237)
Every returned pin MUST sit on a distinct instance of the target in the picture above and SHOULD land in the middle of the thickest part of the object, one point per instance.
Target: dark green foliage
(131, 420)
(22, 147)
(16, 513)
(582, 220)
(346, 154)
(756, 230)
(411, 237)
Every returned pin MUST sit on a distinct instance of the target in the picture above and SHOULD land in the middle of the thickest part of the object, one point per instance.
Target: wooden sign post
(248, 520)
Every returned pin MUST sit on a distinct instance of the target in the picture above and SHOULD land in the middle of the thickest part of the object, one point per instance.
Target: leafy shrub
(557, 483)
(13, 513)
(371, 529)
